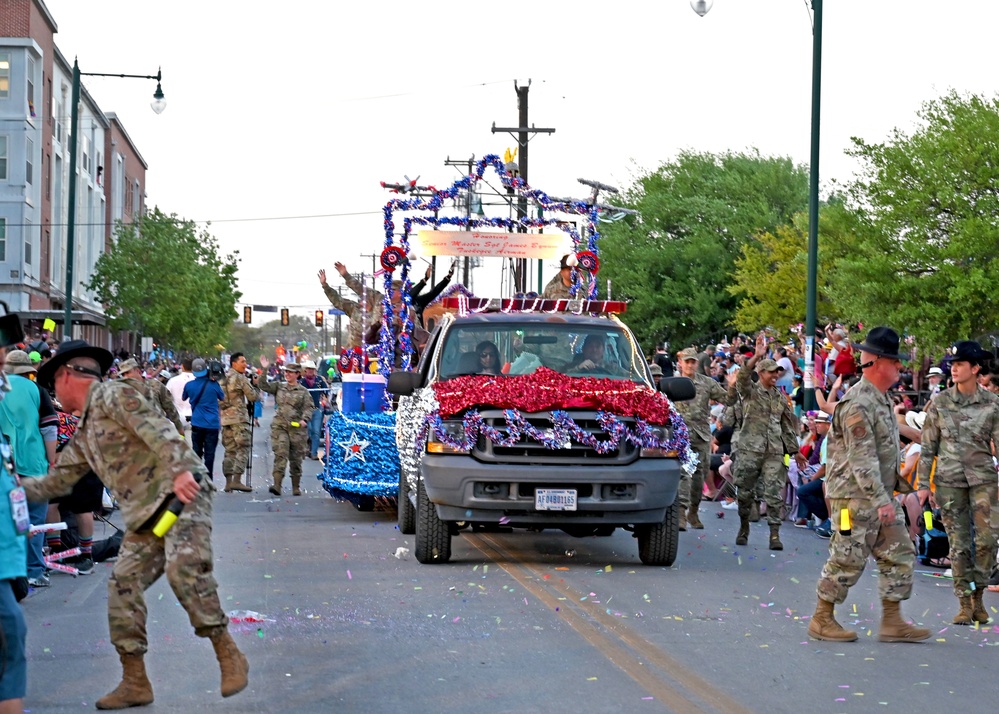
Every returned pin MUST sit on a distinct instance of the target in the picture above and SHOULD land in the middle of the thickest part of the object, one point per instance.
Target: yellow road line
(610, 636)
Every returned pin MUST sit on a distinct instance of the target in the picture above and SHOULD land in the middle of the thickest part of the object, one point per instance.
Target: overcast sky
(300, 108)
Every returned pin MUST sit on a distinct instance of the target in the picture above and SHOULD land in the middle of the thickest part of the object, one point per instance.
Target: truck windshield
(598, 350)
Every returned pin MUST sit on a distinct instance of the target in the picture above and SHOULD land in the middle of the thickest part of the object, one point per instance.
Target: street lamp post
(158, 105)
(701, 7)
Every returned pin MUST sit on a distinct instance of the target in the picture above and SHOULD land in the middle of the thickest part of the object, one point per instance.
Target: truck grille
(528, 451)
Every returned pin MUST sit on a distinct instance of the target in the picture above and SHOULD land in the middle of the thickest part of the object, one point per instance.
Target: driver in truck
(593, 357)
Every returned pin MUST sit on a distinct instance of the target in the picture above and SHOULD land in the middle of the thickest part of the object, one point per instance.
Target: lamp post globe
(701, 7)
(159, 101)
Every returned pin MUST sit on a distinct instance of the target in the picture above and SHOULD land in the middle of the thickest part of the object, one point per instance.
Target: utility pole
(522, 136)
(470, 163)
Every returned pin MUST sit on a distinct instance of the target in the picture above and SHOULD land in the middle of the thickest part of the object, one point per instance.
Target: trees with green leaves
(674, 261)
(927, 262)
(165, 279)
(771, 272)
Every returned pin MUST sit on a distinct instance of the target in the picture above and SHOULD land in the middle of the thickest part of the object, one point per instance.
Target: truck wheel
(407, 514)
(657, 544)
(433, 538)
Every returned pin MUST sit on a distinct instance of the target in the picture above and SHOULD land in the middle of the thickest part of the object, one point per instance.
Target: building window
(3, 239)
(31, 86)
(29, 161)
(3, 158)
(86, 155)
(4, 75)
(28, 253)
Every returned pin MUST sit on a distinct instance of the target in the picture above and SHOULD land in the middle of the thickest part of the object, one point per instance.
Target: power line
(228, 220)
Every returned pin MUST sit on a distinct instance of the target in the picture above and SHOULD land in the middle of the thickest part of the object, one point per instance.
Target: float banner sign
(539, 246)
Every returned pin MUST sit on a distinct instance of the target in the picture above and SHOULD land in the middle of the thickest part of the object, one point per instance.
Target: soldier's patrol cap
(293, 367)
(127, 366)
(684, 355)
(768, 365)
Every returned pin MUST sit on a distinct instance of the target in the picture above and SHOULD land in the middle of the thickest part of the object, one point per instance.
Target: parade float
(374, 452)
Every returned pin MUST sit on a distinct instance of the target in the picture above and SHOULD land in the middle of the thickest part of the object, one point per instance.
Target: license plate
(555, 499)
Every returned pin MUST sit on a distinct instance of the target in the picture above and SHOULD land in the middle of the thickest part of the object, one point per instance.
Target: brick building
(35, 109)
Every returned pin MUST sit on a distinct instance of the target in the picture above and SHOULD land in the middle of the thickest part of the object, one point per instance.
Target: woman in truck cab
(489, 359)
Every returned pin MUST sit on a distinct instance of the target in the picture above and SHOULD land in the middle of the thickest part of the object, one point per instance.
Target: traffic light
(284, 316)
(319, 318)
(247, 314)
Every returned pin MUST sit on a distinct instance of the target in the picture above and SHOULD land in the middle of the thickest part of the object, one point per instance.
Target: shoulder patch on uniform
(130, 404)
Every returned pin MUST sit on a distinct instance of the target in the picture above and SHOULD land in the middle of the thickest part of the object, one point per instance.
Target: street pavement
(516, 622)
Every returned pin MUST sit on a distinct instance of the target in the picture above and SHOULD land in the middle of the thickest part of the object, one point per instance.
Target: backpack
(932, 543)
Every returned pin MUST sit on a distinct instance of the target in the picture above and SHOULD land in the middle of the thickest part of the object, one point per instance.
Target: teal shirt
(19, 423)
(13, 547)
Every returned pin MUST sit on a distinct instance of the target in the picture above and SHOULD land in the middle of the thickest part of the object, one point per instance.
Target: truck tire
(658, 543)
(433, 537)
(407, 514)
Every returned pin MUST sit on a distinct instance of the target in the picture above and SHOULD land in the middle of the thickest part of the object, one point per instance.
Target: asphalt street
(516, 622)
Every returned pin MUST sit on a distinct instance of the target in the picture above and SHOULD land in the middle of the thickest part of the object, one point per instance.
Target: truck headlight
(453, 430)
(661, 433)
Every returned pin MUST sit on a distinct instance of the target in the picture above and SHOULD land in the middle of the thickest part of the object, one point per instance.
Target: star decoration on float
(354, 448)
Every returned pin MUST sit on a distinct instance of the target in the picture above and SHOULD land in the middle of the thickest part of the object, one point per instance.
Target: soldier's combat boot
(693, 520)
(964, 616)
(754, 512)
(978, 612)
(232, 662)
(228, 484)
(134, 689)
(237, 485)
(823, 625)
(295, 490)
(775, 543)
(743, 537)
(895, 629)
(275, 488)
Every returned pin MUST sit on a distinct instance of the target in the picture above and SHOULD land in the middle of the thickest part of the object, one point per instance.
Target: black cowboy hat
(883, 342)
(69, 350)
(970, 351)
(10, 330)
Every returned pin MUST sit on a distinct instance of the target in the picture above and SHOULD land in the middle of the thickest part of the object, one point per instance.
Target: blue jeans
(316, 432)
(811, 500)
(37, 514)
(205, 442)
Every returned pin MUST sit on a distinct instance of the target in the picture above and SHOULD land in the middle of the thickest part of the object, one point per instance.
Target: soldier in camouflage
(153, 390)
(695, 414)
(237, 438)
(862, 473)
(766, 435)
(962, 424)
(289, 428)
(560, 287)
(144, 461)
(361, 317)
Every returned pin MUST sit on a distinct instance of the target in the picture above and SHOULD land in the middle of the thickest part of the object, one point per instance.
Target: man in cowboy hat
(767, 434)
(695, 414)
(862, 473)
(961, 425)
(144, 461)
(152, 389)
(289, 436)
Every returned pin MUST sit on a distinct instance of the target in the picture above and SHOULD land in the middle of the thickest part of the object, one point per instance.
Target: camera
(215, 370)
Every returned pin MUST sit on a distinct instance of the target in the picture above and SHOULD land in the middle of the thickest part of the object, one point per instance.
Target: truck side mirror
(404, 384)
(678, 389)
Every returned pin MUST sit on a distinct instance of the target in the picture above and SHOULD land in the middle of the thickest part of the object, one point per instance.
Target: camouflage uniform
(862, 469)
(695, 414)
(137, 454)
(160, 398)
(360, 320)
(766, 434)
(557, 290)
(958, 431)
(237, 439)
(293, 404)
